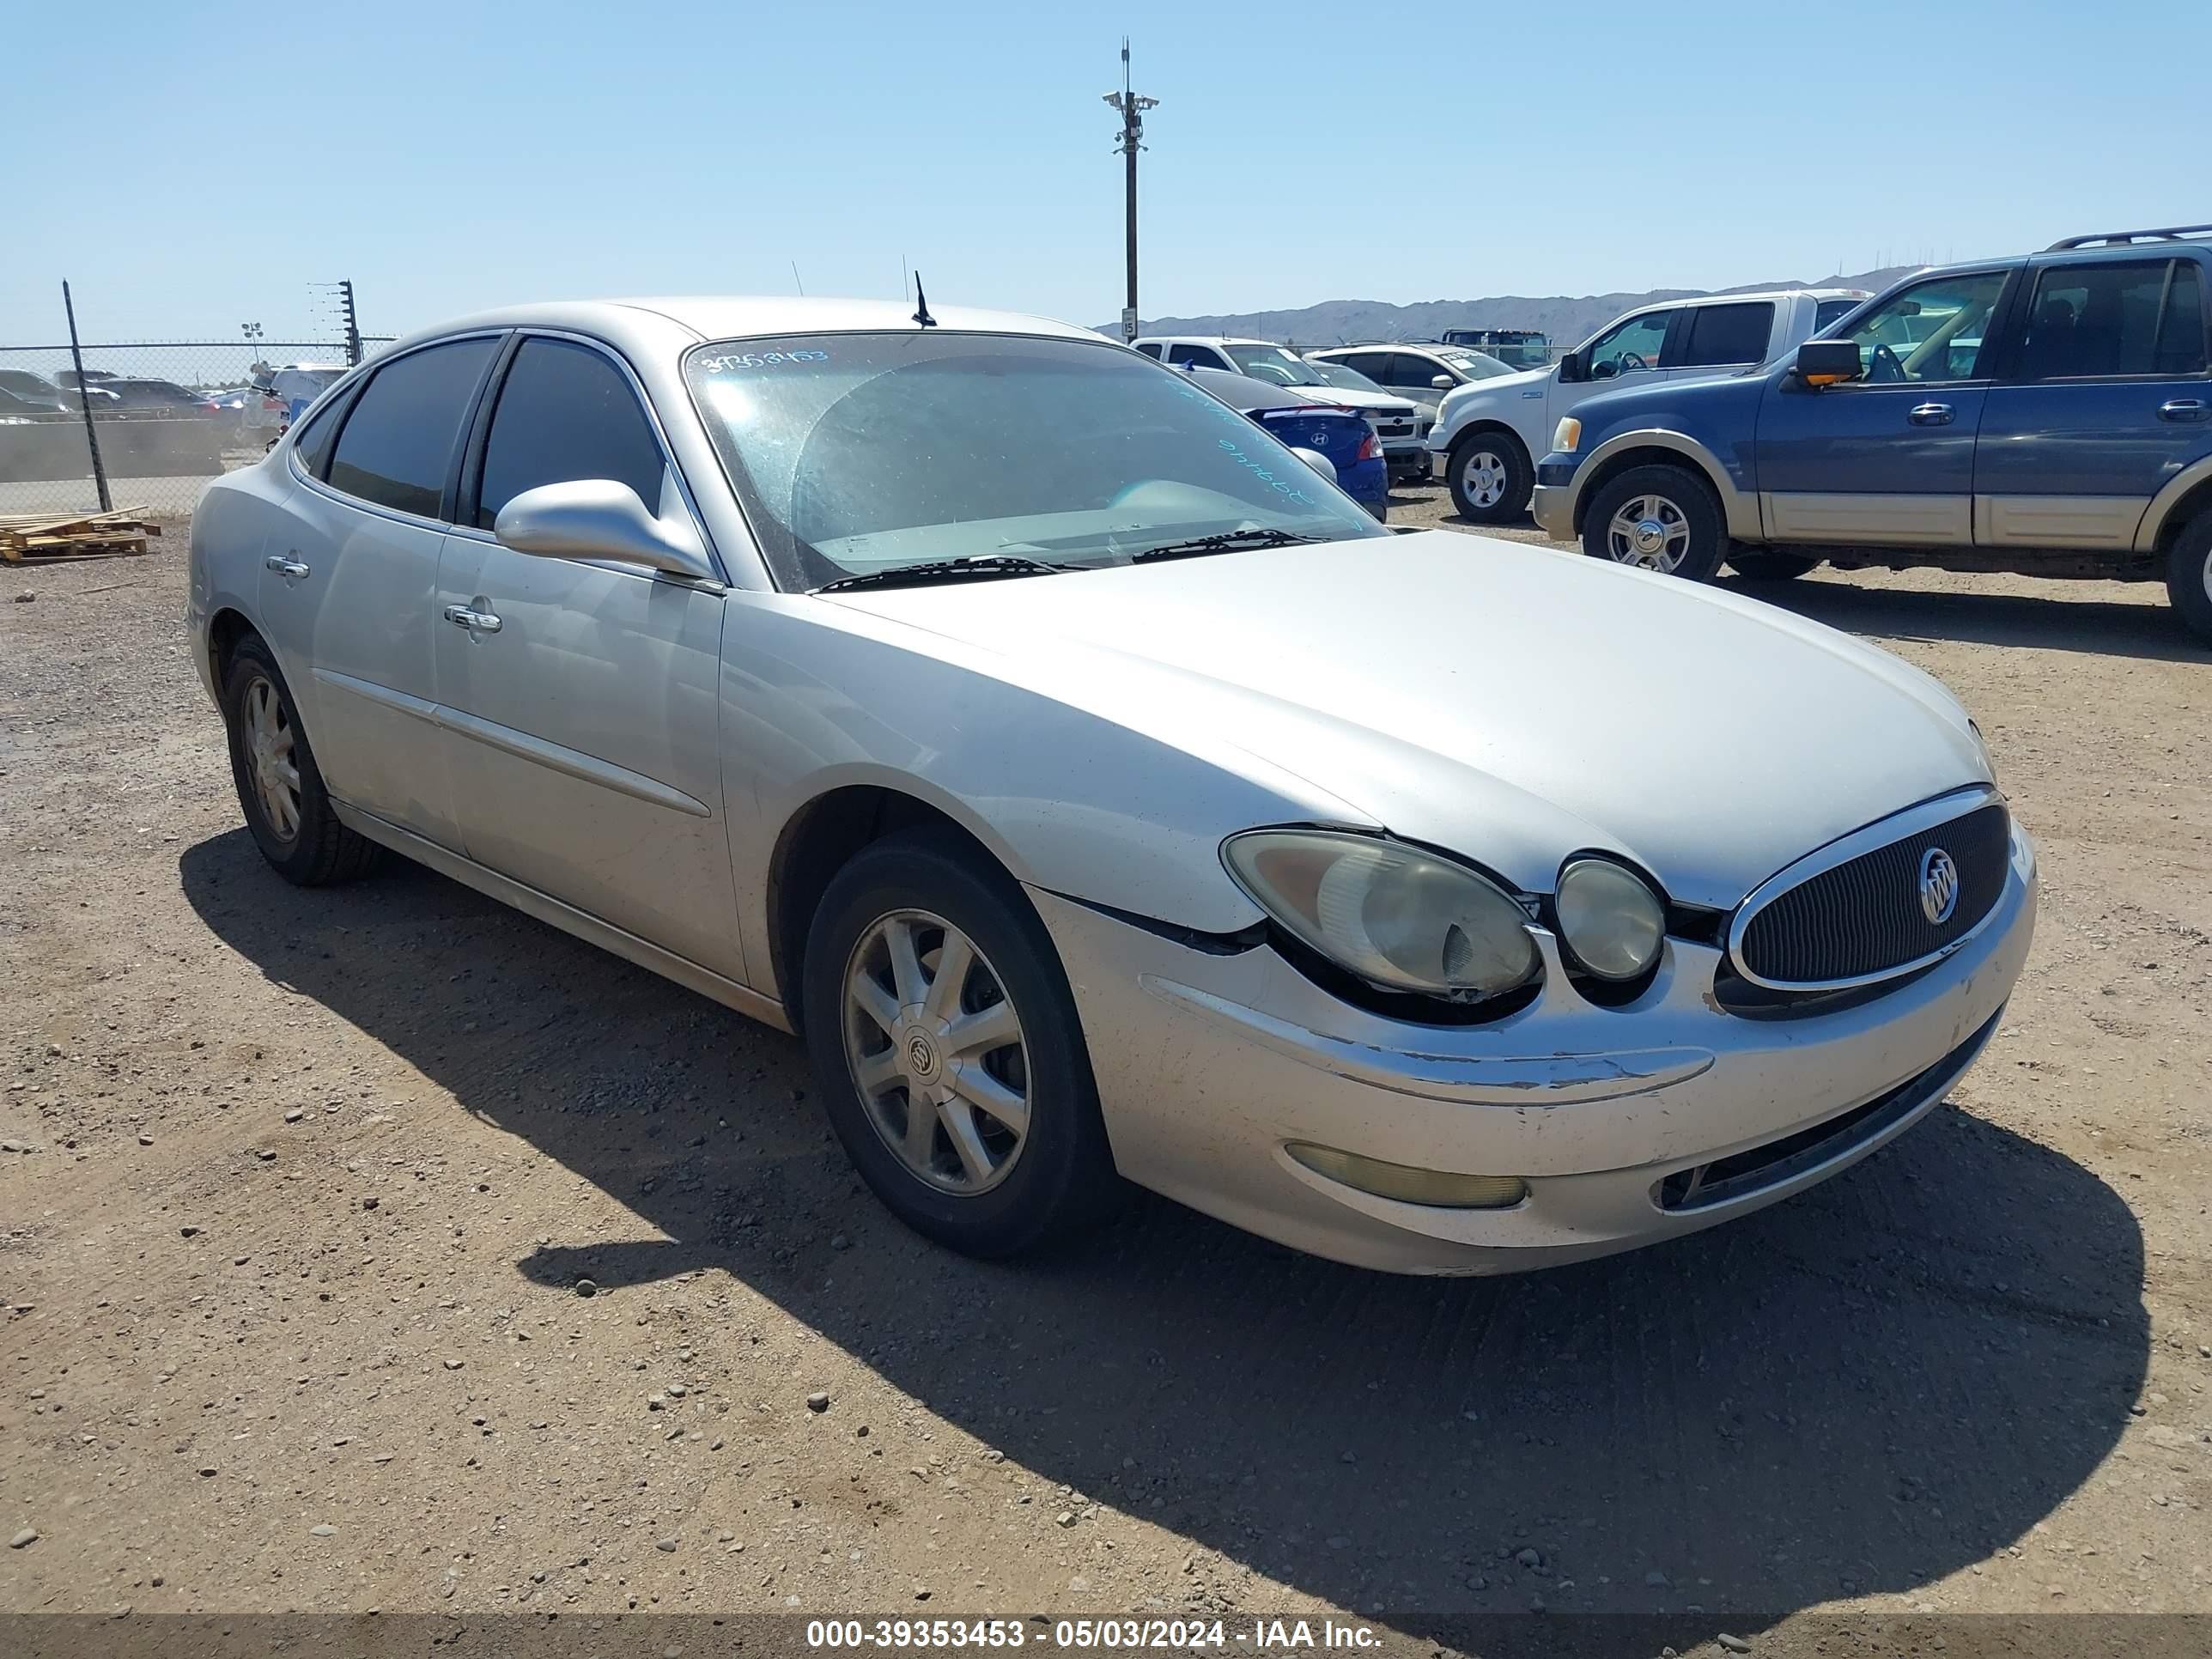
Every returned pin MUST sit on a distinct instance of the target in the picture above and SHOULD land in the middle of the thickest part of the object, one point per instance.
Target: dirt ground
(300, 1193)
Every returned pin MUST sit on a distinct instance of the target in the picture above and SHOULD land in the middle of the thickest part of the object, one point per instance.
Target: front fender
(817, 696)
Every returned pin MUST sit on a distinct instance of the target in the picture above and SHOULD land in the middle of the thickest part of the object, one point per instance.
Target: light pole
(1132, 110)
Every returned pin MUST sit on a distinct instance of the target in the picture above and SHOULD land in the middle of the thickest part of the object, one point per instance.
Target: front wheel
(2188, 576)
(951, 1064)
(1657, 518)
(1764, 564)
(1491, 477)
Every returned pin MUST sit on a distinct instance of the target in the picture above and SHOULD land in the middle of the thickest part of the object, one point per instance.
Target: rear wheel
(951, 1060)
(1491, 477)
(2189, 575)
(280, 787)
(1657, 518)
(1764, 564)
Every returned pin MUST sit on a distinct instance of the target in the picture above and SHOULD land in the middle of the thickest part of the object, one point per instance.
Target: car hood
(1498, 386)
(1511, 704)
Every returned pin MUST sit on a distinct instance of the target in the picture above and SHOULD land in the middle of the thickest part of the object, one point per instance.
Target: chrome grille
(1863, 918)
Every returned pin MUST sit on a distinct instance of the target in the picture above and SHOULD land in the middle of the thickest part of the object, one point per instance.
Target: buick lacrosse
(1102, 795)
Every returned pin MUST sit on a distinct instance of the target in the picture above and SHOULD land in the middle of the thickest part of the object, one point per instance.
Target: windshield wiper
(1226, 541)
(975, 564)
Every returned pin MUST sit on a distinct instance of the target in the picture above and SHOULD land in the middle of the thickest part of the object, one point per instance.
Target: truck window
(1721, 336)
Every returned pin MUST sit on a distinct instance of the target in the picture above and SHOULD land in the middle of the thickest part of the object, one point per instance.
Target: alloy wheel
(1649, 531)
(1483, 476)
(935, 1046)
(269, 744)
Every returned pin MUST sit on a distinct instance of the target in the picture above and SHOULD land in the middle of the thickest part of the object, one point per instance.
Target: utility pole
(352, 322)
(1132, 110)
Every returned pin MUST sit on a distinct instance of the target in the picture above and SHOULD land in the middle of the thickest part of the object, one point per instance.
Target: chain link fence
(166, 415)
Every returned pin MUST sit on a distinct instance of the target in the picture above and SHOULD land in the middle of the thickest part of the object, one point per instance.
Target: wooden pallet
(49, 538)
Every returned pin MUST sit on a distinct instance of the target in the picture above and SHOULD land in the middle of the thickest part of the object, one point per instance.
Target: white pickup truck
(1489, 433)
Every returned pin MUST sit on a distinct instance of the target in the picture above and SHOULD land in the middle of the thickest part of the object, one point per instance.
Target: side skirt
(2069, 564)
(567, 917)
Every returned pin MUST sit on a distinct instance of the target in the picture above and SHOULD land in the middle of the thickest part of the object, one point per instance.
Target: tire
(1010, 1191)
(2188, 576)
(1687, 537)
(314, 848)
(1497, 490)
(1764, 564)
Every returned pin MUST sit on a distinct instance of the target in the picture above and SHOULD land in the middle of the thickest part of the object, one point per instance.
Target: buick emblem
(1939, 886)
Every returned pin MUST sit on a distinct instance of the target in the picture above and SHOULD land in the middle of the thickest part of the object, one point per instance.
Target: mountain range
(1567, 318)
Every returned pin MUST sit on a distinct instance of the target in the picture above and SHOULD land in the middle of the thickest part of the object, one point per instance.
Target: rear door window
(1723, 335)
(2098, 320)
(397, 446)
(566, 412)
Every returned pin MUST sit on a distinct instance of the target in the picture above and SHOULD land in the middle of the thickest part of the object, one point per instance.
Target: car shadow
(1858, 1392)
(2068, 619)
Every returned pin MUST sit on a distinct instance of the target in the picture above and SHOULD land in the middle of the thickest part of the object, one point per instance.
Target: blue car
(2049, 414)
(1304, 420)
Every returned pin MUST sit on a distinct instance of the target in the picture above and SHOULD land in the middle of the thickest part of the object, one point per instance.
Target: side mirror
(1827, 362)
(1319, 462)
(1574, 368)
(1442, 383)
(599, 519)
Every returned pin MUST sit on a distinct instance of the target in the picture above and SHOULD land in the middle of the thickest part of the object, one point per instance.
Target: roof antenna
(922, 304)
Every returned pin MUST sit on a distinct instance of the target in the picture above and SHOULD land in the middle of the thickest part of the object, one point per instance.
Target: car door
(1409, 374)
(346, 596)
(579, 697)
(1888, 459)
(2102, 399)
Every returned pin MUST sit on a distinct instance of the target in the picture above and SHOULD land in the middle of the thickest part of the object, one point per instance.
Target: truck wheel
(1491, 477)
(1764, 564)
(2188, 576)
(1657, 518)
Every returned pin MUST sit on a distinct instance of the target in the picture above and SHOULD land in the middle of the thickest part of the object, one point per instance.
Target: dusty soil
(300, 1191)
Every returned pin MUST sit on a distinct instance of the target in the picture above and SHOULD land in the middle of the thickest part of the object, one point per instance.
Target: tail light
(1370, 446)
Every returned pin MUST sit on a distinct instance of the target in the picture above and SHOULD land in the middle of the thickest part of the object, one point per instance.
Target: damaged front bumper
(1627, 1125)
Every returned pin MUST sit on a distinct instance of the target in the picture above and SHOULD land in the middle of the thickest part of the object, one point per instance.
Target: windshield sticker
(761, 360)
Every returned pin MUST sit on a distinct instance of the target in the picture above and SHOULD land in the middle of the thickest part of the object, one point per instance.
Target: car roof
(647, 322)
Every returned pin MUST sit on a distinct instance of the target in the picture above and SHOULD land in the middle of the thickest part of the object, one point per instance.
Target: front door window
(1933, 330)
(1629, 346)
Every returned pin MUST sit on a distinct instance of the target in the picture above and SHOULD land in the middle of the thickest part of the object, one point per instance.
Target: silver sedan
(1104, 797)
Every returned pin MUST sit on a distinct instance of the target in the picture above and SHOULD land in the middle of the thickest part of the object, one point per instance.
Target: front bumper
(1209, 1064)
(1551, 502)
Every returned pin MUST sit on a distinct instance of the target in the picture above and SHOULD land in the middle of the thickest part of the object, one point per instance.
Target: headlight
(1567, 436)
(1394, 915)
(1609, 918)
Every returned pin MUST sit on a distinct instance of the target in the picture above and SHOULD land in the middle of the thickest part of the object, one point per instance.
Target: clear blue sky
(474, 152)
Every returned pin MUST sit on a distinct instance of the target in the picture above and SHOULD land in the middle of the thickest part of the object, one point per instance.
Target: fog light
(1440, 1187)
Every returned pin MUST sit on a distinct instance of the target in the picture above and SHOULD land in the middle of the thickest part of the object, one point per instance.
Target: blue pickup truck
(2050, 414)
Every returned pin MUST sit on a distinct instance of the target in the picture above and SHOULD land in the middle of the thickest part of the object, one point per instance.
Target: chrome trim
(559, 757)
(420, 709)
(1509, 1080)
(521, 744)
(548, 909)
(1880, 833)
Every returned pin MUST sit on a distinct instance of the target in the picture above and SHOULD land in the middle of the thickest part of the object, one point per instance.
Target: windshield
(1475, 365)
(1272, 364)
(1328, 374)
(855, 453)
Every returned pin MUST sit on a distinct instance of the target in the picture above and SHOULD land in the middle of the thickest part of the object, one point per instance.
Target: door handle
(285, 565)
(2183, 408)
(476, 622)
(1930, 415)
